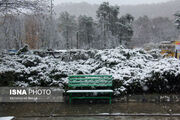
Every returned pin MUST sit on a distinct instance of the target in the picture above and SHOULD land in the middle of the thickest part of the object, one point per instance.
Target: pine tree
(112, 25)
(108, 17)
(85, 31)
(177, 21)
(124, 28)
(68, 27)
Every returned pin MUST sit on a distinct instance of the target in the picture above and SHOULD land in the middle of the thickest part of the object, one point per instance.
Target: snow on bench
(89, 91)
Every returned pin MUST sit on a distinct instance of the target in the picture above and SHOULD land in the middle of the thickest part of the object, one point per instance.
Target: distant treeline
(65, 31)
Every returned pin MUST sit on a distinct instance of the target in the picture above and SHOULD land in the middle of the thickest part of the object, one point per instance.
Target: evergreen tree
(68, 27)
(177, 21)
(113, 26)
(124, 28)
(85, 31)
(108, 17)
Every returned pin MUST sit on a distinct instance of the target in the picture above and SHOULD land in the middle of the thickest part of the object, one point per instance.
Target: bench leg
(110, 98)
(70, 98)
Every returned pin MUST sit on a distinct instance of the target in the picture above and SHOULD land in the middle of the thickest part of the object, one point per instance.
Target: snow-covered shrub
(30, 60)
(155, 53)
(165, 76)
(7, 78)
(23, 50)
(135, 71)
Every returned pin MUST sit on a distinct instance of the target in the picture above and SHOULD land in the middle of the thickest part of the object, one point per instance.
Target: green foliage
(166, 82)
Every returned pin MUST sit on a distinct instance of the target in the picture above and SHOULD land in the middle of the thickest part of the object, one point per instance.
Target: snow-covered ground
(128, 66)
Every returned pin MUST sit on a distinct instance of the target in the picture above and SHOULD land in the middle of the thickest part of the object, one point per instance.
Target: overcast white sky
(118, 2)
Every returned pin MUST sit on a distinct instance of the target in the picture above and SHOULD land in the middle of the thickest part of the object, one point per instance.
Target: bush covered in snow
(135, 71)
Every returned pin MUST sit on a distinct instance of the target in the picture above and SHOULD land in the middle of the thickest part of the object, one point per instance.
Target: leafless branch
(22, 6)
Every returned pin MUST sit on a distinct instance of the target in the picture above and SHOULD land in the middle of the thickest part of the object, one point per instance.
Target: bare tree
(21, 6)
(9, 10)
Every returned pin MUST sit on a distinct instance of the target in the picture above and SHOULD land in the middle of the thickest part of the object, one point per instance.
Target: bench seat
(89, 91)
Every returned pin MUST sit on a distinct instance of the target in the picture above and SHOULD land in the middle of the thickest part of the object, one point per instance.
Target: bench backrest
(90, 81)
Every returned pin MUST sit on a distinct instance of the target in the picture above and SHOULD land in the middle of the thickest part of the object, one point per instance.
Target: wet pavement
(103, 118)
(91, 111)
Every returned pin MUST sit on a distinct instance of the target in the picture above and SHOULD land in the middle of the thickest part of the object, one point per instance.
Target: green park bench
(81, 85)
